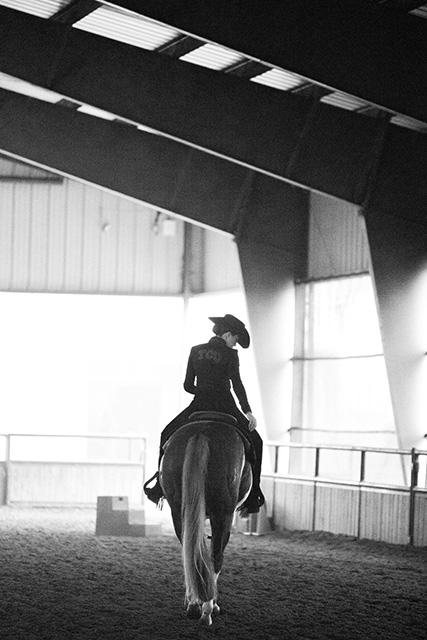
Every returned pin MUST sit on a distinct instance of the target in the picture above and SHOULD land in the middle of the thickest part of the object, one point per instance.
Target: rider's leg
(255, 499)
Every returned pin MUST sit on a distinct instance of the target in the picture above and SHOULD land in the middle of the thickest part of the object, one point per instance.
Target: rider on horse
(211, 367)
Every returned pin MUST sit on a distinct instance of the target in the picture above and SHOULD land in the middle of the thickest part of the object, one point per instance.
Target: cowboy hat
(236, 326)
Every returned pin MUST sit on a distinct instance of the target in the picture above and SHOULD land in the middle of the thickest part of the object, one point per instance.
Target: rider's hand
(252, 421)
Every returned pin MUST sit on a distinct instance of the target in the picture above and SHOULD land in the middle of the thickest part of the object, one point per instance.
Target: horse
(205, 475)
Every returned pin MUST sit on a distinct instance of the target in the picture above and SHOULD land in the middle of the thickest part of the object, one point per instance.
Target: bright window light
(342, 374)
(89, 364)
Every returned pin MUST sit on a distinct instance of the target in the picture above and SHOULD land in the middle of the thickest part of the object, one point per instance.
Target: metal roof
(138, 31)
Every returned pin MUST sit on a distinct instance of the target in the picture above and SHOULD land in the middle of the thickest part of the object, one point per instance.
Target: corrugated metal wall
(215, 264)
(70, 237)
(337, 240)
(222, 263)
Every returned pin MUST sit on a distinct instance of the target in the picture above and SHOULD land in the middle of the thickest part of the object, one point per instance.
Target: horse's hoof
(205, 620)
(216, 609)
(193, 611)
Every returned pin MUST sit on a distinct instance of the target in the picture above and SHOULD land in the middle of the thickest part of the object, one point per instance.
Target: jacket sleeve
(190, 375)
(236, 381)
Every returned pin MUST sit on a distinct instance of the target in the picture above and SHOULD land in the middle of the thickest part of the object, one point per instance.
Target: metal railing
(411, 486)
(132, 452)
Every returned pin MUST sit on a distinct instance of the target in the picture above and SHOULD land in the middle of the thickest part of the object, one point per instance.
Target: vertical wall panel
(420, 524)
(38, 256)
(6, 231)
(73, 483)
(214, 264)
(108, 215)
(167, 253)
(222, 265)
(337, 509)
(56, 240)
(385, 516)
(91, 242)
(21, 238)
(143, 268)
(125, 271)
(293, 507)
(74, 214)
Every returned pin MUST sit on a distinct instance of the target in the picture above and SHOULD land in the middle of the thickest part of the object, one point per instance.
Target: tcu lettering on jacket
(209, 354)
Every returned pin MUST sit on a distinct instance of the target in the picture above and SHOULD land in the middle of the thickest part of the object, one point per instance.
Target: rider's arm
(190, 375)
(252, 420)
(236, 381)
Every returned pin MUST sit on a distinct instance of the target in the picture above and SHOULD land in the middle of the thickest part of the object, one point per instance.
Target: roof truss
(373, 51)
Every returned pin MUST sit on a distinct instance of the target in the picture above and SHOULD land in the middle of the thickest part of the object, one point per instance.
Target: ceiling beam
(376, 53)
(179, 46)
(292, 138)
(163, 174)
(202, 187)
(403, 5)
(75, 11)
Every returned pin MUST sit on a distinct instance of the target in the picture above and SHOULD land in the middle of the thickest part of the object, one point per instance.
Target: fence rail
(306, 499)
(298, 495)
(74, 470)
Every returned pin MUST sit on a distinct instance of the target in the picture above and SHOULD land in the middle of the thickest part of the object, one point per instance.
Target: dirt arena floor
(58, 581)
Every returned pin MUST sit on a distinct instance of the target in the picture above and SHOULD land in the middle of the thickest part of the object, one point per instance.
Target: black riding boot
(255, 499)
(155, 493)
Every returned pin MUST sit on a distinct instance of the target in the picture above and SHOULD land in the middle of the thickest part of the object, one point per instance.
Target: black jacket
(210, 369)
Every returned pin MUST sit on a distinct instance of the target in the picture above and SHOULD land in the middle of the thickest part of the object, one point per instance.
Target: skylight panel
(212, 56)
(127, 28)
(421, 12)
(40, 8)
(279, 79)
(344, 101)
(409, 123)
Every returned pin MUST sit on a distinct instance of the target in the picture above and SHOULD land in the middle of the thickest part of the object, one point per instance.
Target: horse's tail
(200, 580)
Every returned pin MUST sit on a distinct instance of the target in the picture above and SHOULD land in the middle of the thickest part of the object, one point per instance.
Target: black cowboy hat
(236, 326)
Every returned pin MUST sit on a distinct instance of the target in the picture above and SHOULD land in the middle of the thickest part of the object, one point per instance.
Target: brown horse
(204, 475)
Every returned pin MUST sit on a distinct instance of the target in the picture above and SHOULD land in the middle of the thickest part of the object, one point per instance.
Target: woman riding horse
(211, 367)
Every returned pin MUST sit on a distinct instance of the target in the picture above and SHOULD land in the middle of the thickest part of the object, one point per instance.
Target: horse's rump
(225, 463)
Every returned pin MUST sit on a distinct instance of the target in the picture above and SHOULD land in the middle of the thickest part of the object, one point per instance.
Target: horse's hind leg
(176, 519)
(220, 529)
